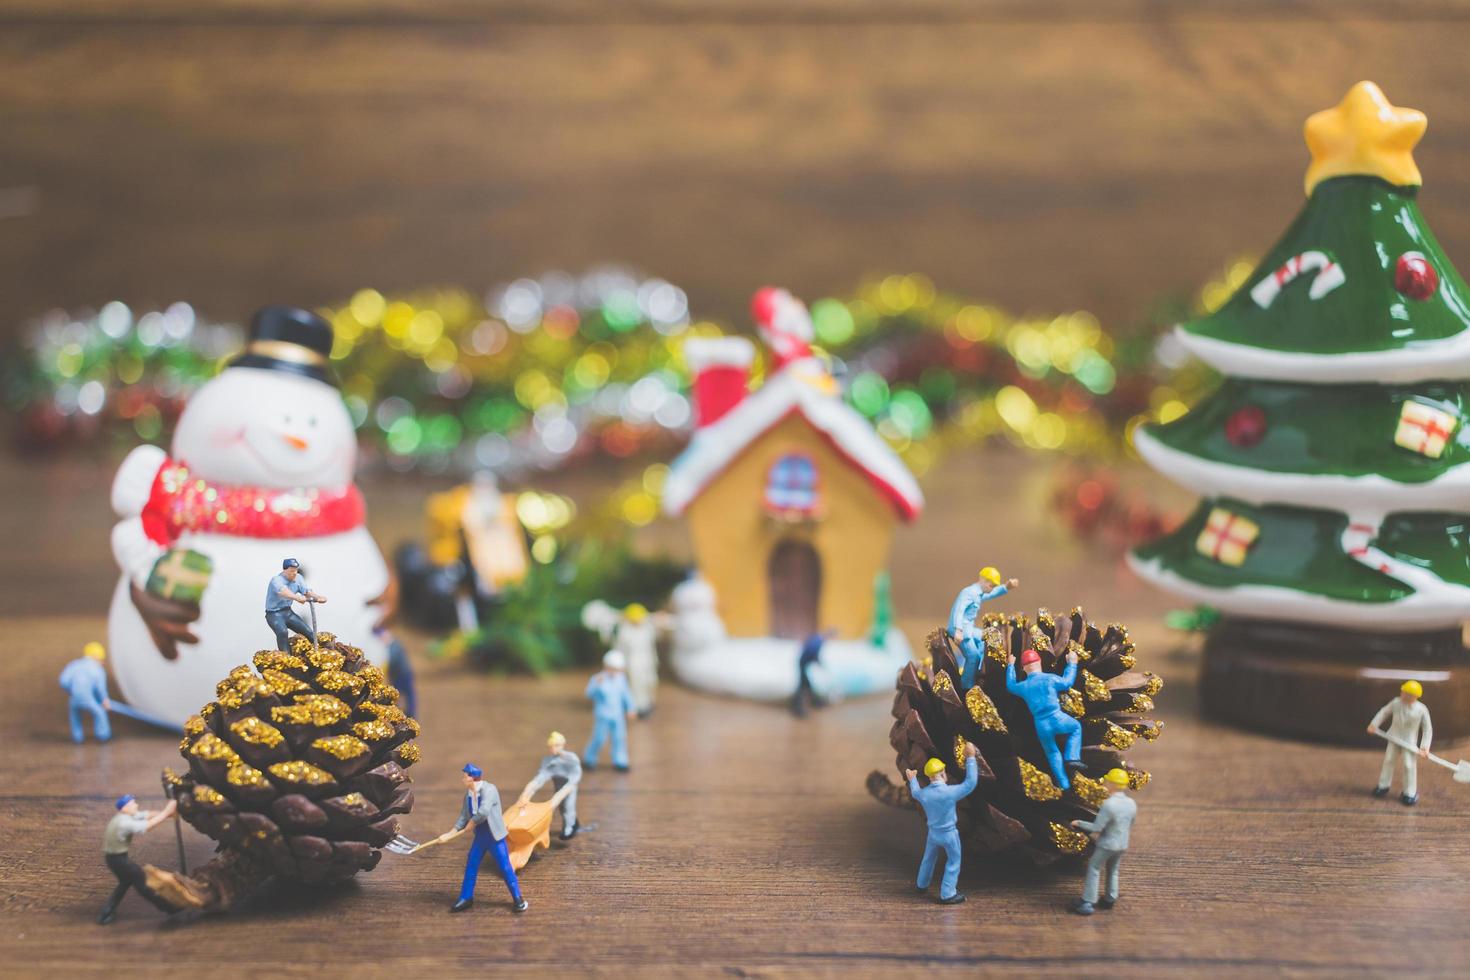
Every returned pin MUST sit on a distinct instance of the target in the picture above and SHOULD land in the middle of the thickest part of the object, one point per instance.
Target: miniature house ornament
(261, 466)
(791, 499)
(1333, 460)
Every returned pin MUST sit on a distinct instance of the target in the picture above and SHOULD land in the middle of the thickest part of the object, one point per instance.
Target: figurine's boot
(462, 905)
(954, 899)
(1083, 907)
(1380, 791)
(521, 904)
(1106, 902)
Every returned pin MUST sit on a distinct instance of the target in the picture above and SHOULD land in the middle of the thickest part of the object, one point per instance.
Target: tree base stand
(1321, 683)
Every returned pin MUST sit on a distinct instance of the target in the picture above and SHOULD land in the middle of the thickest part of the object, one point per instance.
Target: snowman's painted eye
(311, 421)
(287, 419)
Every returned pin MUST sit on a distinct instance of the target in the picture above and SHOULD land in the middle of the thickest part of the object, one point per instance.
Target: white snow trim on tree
(796, 388)
(1369, 492)
(1432, 360)
(765, 668)
(1440, 607)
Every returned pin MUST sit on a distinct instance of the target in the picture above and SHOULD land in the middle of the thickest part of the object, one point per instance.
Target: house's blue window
(791, 486)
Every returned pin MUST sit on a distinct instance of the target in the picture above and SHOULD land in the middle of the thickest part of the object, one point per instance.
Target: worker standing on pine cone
(938, 801)
(962, 616)
(283, 590)
(116, 842)
(1041, 691)
(1110, 833)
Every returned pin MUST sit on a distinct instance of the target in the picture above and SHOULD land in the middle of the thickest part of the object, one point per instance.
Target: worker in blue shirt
(1041, 690)
(612, 707)
(811, 656)
(85, 680)
(962, 616)
(938, 801)
(283, 590)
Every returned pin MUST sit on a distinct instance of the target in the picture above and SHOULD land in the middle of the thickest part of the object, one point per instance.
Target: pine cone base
(297, 770)
(1018, 806)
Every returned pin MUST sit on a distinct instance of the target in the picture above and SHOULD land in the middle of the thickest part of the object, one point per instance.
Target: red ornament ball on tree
(1415, 277)
(1246, 426)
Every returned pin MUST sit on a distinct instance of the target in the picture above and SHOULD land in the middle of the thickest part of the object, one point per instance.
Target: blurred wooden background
(1049, 155)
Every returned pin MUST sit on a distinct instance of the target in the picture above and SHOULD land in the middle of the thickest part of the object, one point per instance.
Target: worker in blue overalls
(612, 707)
(962, 616)
(85, 680)
(1041, 691)
(481, 810)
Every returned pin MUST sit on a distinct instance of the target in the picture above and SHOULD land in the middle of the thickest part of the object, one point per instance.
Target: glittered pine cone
(1017, 805)
(296, 769)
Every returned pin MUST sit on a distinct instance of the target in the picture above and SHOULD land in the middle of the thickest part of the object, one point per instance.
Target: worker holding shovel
(284, 589)
(1409, 736)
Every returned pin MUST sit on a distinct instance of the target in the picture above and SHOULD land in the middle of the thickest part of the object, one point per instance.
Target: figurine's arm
(1383, 715)
(1012, 685)
(132, 549)
(1069, 675)
(154, 819)
(99, 688)
(994, 593)
(1426, 734)
(913, 783)
(537, 781)
(972, 775)
(591, 686)
(1104, 818)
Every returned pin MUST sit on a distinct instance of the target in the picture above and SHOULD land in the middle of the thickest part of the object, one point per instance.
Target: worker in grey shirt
(562, 768)
(1110, 833)
(121, 829)
(284, 589)
(1409, 723)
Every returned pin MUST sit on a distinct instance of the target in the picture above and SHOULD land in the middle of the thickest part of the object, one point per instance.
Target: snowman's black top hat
(286, 338)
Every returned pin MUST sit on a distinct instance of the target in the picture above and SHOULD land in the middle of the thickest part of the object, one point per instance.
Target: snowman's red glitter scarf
(179, 503)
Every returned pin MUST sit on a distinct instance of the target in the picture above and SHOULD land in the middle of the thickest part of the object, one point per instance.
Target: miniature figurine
(634, 633)
(563, 769)
(612, 707)
(260, 466)
(966, 610)
(1410, 726)
(1110, 833)
(400, 670)
(286, 588)
(1040, 691)
(481, 808)
(938, 801)
(811, 656)
(128, 822)
(85, 680)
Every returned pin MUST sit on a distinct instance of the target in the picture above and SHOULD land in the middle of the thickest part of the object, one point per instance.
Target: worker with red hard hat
(1041, 691)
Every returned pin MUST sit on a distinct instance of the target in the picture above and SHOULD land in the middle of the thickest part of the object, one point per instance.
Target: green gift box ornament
(180, 575)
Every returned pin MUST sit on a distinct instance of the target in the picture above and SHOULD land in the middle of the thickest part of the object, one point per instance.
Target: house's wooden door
(795, 576)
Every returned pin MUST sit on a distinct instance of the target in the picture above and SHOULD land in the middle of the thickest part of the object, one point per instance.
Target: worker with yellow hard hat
(1109, 830)
(1409, 725)
(85, 682)
(938, 800)
(963, 613)
(561, 768)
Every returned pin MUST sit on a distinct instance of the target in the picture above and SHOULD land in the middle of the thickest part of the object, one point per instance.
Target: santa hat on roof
(784, 323)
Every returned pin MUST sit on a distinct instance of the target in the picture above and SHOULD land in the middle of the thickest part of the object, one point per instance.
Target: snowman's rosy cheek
(228, 435)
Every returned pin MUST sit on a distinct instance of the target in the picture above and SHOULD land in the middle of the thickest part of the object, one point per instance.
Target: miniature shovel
(1461, 769)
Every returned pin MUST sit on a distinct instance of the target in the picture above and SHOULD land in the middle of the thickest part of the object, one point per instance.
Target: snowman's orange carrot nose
(295, 442)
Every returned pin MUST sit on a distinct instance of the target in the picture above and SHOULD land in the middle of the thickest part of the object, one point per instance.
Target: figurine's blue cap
(125, 799)
(290, 563)
(473, 771)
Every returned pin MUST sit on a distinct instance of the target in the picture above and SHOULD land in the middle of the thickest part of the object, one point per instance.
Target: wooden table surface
(743, 840)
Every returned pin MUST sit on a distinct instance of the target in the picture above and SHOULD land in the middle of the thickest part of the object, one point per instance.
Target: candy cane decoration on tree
(1329, 277)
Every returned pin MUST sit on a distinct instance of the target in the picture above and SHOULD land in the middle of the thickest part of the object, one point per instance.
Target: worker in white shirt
(1409, 723)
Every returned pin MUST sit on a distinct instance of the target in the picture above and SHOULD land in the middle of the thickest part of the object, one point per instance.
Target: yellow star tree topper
(1364, 134)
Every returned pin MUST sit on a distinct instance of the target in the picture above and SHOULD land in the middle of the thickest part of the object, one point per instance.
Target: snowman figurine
(261, 468)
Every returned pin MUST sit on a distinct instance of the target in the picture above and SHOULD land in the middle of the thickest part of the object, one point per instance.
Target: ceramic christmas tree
(1333, 462)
